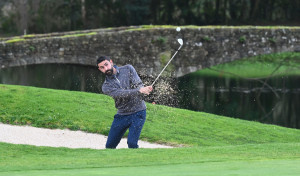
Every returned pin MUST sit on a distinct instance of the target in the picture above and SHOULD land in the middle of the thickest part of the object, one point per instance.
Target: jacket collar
(117, 69)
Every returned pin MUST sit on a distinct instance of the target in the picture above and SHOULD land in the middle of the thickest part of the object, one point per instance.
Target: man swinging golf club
(127, 89)
(125, 86)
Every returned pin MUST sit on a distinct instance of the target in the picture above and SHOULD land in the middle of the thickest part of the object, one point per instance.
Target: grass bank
(91, 112)
(282, 64)
(215, 145)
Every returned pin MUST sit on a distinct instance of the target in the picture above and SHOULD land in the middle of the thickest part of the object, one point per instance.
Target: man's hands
(146, 90)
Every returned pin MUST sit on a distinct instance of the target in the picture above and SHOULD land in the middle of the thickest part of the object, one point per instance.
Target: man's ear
(111, 62)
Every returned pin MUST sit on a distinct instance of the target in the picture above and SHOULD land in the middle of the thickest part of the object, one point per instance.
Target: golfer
(125, 86)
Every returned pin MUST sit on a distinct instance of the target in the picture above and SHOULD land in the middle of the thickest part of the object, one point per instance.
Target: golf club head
(180, 41)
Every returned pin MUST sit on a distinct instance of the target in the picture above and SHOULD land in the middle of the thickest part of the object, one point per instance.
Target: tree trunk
(255, 8)
(225, 20)
(83, 13)
(22, 19)
(217, 16)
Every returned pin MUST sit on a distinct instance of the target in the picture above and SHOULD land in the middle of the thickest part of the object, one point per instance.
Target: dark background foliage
(44, 16)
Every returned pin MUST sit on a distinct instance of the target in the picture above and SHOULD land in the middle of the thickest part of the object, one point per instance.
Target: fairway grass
(239, 159)
(241, 168)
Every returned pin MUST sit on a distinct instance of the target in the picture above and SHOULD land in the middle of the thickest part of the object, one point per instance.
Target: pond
(275, 102)
(54, 76)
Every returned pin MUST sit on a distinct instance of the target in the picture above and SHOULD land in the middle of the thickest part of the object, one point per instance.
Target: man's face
(106, 67)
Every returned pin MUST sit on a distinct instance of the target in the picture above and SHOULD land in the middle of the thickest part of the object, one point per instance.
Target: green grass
(94, 112)
(278, 168)
(264, 168)
(282, 64)
(26, 160)
(215, 145)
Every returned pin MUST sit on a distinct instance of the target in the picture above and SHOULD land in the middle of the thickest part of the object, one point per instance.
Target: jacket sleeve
(135, 79)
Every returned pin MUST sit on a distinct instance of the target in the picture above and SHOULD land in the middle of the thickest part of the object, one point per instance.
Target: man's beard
(109, 72)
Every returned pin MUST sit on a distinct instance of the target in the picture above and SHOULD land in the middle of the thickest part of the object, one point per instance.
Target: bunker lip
(60, 138)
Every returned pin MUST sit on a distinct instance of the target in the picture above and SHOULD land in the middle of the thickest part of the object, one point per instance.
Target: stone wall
(149, 48)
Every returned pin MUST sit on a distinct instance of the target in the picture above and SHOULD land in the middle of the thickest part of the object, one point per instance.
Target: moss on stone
(148, 27)
(164, 59)
(29, 36)
(79, 35)
(242, 39)
(14, 40)
(137, 28)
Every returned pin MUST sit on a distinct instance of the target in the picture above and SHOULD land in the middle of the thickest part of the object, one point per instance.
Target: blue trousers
(133, 122)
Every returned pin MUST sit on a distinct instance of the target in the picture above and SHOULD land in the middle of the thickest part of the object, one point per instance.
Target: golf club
(180, 41)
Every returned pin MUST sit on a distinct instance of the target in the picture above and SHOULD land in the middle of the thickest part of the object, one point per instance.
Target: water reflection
(247, 99)
(54, 76)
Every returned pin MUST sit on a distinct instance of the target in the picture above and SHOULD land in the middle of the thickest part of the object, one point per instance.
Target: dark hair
(102, 58)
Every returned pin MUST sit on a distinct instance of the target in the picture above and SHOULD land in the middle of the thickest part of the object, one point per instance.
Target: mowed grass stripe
(24, 157)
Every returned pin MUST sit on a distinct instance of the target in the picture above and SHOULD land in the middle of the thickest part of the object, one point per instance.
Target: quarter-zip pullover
(124, 88)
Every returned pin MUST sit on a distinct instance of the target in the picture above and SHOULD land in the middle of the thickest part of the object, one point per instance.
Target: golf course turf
(207, 144)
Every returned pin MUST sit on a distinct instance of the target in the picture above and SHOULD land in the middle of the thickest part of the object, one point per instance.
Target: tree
(22, 18)
(44, 16)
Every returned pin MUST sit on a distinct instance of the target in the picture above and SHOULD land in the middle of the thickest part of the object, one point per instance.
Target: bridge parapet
(148, 48)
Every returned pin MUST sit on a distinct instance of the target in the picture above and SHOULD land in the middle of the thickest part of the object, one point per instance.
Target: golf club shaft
(165, 66)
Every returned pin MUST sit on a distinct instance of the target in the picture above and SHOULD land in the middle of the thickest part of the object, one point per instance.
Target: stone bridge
(148, 48)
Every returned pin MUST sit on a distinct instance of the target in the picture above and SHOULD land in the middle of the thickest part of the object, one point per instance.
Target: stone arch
(147, 48)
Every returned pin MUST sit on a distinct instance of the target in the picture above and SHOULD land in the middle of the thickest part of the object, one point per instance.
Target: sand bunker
(60, 138)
